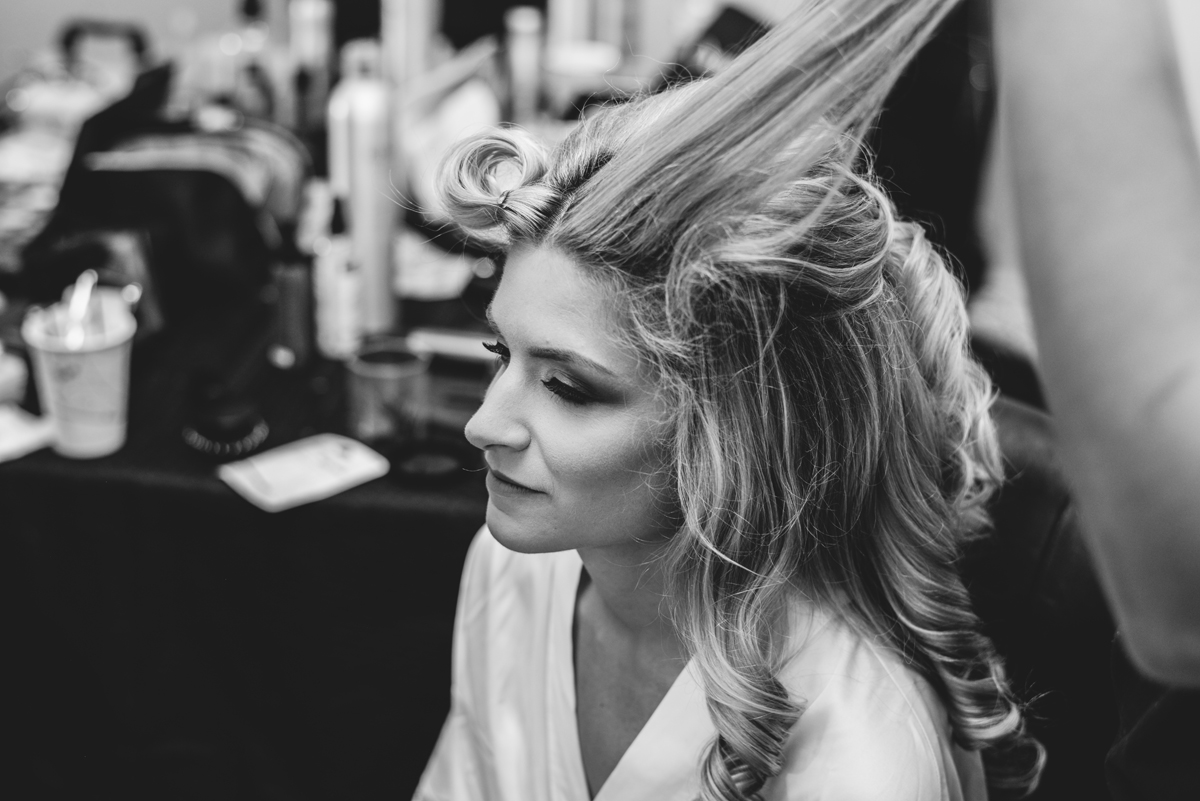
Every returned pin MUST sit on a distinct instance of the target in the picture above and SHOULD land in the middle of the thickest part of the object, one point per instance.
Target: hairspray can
(360, 173)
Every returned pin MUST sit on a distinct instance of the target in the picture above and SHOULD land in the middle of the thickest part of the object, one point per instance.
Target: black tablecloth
(172, 641)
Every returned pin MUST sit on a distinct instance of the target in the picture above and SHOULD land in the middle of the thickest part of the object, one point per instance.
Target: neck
(629, 589)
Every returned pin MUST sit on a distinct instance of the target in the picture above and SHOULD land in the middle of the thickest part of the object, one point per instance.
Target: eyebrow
(568, 357)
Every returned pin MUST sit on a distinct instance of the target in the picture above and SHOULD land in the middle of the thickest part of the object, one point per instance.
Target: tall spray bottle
(359, 125)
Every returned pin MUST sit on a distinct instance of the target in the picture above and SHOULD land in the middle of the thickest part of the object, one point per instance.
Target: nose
(497, 423)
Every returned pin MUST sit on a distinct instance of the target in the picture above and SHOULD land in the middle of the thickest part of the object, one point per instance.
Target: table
(171, 640)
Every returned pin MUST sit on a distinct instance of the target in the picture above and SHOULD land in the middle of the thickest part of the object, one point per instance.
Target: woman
(734, 445)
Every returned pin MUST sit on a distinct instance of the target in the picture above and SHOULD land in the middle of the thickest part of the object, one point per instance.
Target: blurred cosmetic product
(410, 29)
(292, 337)
(310, 42)
(524, 48)
(337, 291)
(411, 34)
(651, 30)
(602, 47)
(568, 21)
(254, 92)
(360, 172)
(387, 393)
(316, 214)
(245, 67)
(610, 22)
(210, 68)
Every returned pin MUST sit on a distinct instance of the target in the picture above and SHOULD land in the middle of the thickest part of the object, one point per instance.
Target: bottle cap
(523, 20)
(252, 9)
(337, 220)
(362, 57)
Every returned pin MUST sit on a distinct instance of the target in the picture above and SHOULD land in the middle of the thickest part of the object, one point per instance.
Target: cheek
(608, 467)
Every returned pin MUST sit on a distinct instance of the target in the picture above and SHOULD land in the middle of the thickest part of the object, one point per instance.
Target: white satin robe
(872, 731)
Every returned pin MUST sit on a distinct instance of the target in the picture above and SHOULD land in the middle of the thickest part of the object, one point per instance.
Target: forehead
(544, 294)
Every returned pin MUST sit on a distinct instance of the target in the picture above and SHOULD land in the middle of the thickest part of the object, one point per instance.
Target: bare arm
(1108, 194)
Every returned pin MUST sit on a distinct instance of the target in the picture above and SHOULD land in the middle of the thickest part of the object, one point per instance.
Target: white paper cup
(84, 390)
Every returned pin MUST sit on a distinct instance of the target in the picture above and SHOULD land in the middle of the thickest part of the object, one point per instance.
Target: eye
(501, 350)
(567, 392)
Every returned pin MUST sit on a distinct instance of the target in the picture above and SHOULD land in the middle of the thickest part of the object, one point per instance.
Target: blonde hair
(830, 431)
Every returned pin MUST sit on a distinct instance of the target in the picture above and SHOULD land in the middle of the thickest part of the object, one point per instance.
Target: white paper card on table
(303, 471)
(21, 433)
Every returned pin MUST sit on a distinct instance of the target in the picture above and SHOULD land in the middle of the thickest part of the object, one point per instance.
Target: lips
(507, 482)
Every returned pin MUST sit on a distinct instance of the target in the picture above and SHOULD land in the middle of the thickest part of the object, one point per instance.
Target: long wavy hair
(831, 434)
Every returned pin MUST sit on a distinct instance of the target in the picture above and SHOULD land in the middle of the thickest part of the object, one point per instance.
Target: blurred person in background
(1109, 184)
(1108, 188)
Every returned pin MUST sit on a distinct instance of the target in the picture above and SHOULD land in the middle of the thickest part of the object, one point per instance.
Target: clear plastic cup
(84, 390)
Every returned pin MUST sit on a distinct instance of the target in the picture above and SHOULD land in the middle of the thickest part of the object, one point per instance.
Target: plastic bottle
(359, 172)
(337, 291)
(310, 43)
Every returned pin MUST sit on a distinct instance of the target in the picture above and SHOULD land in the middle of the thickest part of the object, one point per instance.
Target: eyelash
(501, 352)
(560, 389)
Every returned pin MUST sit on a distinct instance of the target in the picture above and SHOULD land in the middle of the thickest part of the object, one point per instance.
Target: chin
(517, 536)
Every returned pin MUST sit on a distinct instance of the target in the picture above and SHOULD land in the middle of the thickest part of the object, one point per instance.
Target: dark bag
(209, 206)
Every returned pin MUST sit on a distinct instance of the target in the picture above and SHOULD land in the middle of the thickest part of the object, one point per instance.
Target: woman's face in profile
(571, 427)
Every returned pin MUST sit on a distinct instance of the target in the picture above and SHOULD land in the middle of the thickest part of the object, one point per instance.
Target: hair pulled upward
(831, 433)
